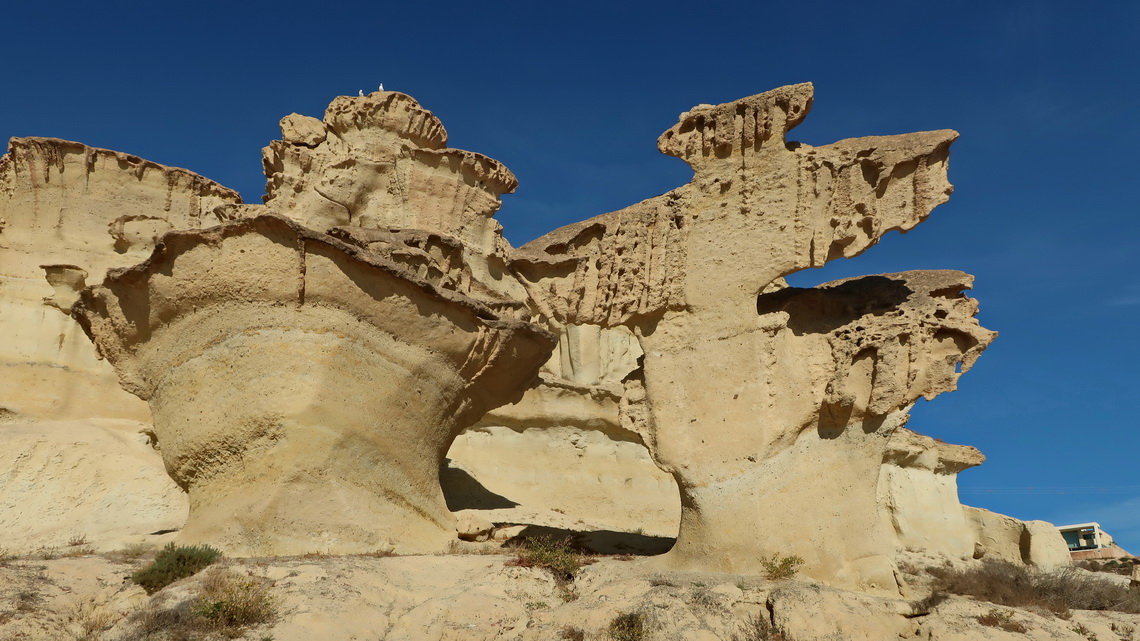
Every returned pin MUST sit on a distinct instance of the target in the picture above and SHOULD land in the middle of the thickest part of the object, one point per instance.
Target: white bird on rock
(360, 92)
(381, 87)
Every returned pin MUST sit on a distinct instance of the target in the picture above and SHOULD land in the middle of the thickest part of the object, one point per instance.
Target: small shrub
(554, 555)
(173, 563)
(225, 605)
(1085, 632)
(231, 602)
(77, 540)
(781, 567)
(71, 553)
(27, 600)
(1002, 620)
(629, 626)
(757, 629)
(571, 633)
(926, 605)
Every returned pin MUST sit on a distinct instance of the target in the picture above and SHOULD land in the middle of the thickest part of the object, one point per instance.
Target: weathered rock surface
(918, 494)
(69, 212)
(92, 483)
(750, 393)
(310, 362)
(562, 449)
(1036, 543)
(305, 390)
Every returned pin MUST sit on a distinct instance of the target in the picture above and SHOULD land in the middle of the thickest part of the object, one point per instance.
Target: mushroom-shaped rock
(770, 406)
(305, 389)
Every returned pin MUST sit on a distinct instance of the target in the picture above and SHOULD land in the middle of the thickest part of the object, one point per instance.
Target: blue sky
(572, 98)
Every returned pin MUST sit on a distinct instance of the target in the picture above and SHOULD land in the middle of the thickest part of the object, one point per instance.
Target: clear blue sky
(1046, 95)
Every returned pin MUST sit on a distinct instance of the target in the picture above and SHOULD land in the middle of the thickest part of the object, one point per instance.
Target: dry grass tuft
(131, 553)
(1002, 620)
(629, 626)
(226, 605)
(1017, 586)
(571, 633)
(556, 555)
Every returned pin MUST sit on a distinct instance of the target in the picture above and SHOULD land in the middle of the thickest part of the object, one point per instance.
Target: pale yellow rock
(1003, 537)
(382, 163)
(70, 213)
(561, 457)
(305, 390)
(749, 399)
(918, 493)
(302, 130)
(93, 483)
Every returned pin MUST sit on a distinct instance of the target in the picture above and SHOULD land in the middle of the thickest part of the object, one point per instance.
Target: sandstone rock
(96, 483)
(380, 161)
(70, 213)
(749, 398)
(1031, 542)
(918, 493)
(561, 457)
(302, 130)
(304, 389)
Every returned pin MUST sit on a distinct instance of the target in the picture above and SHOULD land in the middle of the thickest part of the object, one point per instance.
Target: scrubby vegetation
(556, 555)
(1017, 586)
(173, 563)
(629, 626)
(226, 605)
(1003, 620)
(781, 567)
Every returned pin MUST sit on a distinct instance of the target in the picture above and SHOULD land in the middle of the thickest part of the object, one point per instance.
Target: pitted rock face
(380, 162)
(750, 393)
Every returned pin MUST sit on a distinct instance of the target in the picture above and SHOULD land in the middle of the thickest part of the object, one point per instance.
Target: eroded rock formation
(764, 401)
(288, 368)
(305, 390)
(309, 361)
(68, 213)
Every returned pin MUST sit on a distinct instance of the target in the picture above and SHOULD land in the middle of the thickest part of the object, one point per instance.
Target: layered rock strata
(751, 393)
(69, 212)
(304, 389)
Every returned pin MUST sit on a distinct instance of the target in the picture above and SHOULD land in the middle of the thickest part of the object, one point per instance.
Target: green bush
(173, 563)
(781, 567)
